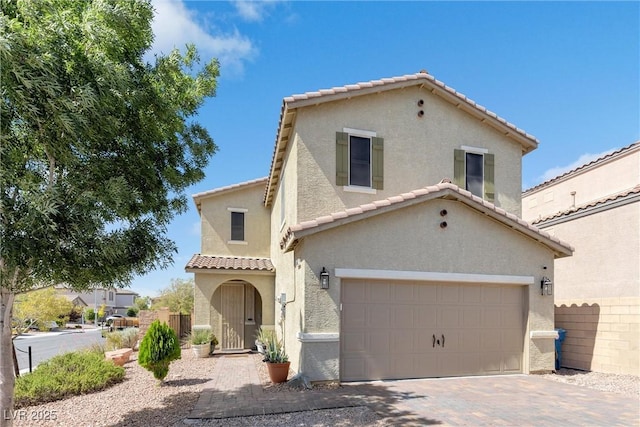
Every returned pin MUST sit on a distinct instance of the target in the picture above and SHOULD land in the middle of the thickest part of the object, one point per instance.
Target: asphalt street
(46, 345)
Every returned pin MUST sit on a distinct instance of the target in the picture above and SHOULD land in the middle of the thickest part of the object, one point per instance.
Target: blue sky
(565, 72)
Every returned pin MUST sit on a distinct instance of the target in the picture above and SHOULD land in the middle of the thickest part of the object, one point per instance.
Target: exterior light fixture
(546, 286)
(324, 279)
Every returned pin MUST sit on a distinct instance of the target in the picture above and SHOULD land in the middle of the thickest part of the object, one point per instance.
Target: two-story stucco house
(386, 241)
(597, 208)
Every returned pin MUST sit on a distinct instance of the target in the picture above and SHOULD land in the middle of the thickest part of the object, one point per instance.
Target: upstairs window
(237, 226)
(474, 171)
(359, 159)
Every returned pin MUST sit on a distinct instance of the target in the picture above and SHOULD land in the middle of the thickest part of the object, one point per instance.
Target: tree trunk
(7, 375)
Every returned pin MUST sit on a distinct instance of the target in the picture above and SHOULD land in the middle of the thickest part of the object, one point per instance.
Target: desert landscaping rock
(140, 401)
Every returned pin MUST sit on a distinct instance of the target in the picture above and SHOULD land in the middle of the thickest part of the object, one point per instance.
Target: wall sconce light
(546, 286)
(324, 279)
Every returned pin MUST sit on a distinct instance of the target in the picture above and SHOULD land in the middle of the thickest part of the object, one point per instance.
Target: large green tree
(96, 147)
(178, 296)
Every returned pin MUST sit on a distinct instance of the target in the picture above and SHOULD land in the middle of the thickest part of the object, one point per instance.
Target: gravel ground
(139, 401)
(628, 385)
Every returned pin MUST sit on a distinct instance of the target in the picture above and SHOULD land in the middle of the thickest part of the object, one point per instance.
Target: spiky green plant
(159, 347)
(274, 353)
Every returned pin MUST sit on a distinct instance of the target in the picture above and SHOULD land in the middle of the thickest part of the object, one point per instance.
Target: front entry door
(232, 306)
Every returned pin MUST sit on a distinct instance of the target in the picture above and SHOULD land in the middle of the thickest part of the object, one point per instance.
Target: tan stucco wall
(605, 262)
(215, 219)
(603, 334)
(417, 151)
(590, 183)
(411, 239)
(206, 311)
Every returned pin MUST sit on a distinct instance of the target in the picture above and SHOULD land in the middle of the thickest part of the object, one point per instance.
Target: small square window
(237, 226)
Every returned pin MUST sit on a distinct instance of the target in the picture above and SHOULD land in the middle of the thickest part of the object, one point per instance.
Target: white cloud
(582, 160)
(254, 11)
(174, 26)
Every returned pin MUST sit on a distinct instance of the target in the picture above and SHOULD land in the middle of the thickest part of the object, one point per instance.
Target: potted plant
(277, 360)
(201, 339)
(263, 336)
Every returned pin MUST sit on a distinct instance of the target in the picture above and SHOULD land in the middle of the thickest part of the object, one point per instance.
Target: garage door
(395, 330)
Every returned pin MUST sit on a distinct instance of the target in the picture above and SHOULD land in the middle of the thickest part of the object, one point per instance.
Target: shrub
(201, 336)
(126, 338)
(132, 311)
(90, 314)
(159, 347)
(66, 375)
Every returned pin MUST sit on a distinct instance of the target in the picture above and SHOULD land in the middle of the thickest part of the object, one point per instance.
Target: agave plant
(274, 353)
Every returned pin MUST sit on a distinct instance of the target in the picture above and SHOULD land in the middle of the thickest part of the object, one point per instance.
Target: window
(110, 296)
(237, 226)
(359, 159)
(474, 171)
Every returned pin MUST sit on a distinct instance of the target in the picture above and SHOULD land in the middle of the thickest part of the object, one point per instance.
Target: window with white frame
(237, 225)
(474, 171)
(359, 159)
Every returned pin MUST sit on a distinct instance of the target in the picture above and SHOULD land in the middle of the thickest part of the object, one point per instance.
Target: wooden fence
(180, 323)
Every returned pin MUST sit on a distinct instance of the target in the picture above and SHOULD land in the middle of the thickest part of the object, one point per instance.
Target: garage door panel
(513, 362)
(425, 294)
(449, 294)
(427, 317)
(355, 292)
(402, 341)
(378, 292)
(403, 317)
(378, 343)
(378, 316)
(472, 295)
(491, 295)
(356, 317)
(388, 327)
(450, 316)
(354, 342)
(404, 293)
(491, 318)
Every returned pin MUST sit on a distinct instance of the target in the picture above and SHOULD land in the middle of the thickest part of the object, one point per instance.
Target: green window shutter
(458, 168)
(377, 163)
(342, 158)
(489, 187)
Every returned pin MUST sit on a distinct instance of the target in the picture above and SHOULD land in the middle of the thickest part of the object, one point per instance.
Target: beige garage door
(394, 330)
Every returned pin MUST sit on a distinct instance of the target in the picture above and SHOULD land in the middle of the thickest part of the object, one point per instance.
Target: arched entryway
(237, 305)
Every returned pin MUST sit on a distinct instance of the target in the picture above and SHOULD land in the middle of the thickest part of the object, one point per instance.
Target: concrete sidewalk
(514, 400)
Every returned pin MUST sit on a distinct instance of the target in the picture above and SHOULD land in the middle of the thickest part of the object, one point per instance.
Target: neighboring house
(379, 266)
(115, 300)
(124, 299)
(597, 208)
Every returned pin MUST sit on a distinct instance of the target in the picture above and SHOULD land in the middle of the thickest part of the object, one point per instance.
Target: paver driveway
(514, 400)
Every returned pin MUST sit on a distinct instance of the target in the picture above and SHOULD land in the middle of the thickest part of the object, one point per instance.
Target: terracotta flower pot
(278, 372)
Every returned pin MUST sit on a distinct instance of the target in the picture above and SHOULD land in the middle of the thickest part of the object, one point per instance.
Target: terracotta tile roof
(616, 153)
(444, 190)
(206, 262)
(290, 103)
(610, 198)
(227, 188)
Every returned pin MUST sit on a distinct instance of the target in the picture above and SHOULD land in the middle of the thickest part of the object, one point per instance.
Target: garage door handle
(434, 340)
(442, 340)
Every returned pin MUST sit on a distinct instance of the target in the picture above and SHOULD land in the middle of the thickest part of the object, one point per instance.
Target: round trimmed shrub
(159, 347)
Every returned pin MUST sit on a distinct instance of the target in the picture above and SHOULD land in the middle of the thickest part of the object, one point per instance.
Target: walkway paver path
(235, 390)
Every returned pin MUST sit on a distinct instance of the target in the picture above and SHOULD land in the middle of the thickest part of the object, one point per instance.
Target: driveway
(514, 400)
